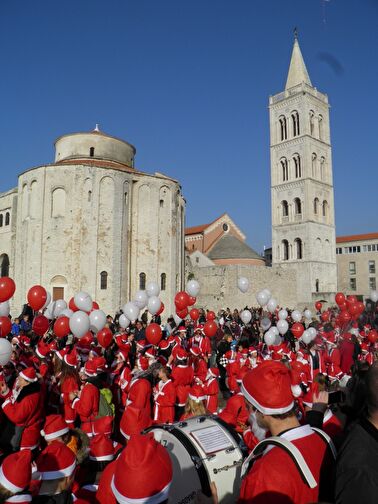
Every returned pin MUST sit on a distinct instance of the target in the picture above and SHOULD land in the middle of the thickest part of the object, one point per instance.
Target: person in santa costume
(202, 342)
(55, 429)
(211, 389)
(137, 414)
(69, 382)
(164, 398)
(15, 476)
(267, 390)
(366, 355)
(183, 377)
(195, 403)
(198, 363)
(24, 409)
(235, 412)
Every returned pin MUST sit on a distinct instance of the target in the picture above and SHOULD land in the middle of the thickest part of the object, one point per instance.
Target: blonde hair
(194, 408)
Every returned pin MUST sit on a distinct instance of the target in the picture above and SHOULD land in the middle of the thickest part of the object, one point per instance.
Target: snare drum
(202, 449)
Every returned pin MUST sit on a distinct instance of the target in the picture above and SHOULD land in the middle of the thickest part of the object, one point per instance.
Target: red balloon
(105, 337)
(161, 309)
(153, 333)
(210, 315)
(210, 328)
(7, 288)
(194, 314)
(5, 326)
(62, 327)
(360, 307)
(325, 316)
(72, 306)
(353, 309)
(95, 306)
(192, 300)
(297, 329)
(345, 317)
(182, 313)
(339, 298)
(343, 306)
(182, 300)
(40, 325)
(318, 305)
(37, 297)
(352, 299)
(372, 336)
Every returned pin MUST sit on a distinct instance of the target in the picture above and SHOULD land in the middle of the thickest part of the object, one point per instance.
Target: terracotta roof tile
(358, 237)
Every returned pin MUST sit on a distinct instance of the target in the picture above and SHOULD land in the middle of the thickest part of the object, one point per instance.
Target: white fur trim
(102, 457)
(153, 499)
(296, 390)
(263, 409)
(197, 399)
(4, 481)
(27, 378)
(19, 498)
(60, 473)
(54, 435)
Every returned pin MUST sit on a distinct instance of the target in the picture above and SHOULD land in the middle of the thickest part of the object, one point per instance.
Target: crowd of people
(74, 413)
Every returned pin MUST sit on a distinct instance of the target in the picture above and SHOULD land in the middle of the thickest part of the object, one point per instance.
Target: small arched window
(91, 152)
(142, 281)
(4, 265)
(1, 220)
(325, 208)
(285, 250)
(297, 206)
(285, 208)
(312, 122)
(314, 159)
(320, 119)
(316, 206)
(7, 219)
(297, 165)
(103, 280)
(163, 281)
(295, 123)
(298, 248)
(317, 285)
(322, 168)
(58, 204)
(285, 169)
(283, 128)
(89, 196)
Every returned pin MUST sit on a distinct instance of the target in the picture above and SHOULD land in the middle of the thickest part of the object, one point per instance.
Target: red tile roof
(202, 227)
(359, 237)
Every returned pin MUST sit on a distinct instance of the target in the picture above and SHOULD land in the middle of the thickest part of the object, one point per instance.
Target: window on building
(285, 169)
(91, 151)
(1, 220)
(58, 204)
(352, 268)
(316, 206)
(314, 160)
(339, 250)
(163, 281)
(142, 281)
(297, 206)
(352, 283)
(161, 203)
(4, 265)
(89, 196)
(322, 168)
(7, 219)
(317, 285)
(285, 208)
(298, 248)
(103, 280)
(372, 267)
(372, 283)
(295, 122)
(297, 165)
(320, 119)
(325, 209)
(197, 259)
(285, 250)
(283, 128)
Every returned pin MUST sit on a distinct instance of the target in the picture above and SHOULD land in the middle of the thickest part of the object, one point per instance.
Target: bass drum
(202, 449)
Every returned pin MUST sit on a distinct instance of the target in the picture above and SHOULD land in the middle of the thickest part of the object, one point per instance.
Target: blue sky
(187, 82)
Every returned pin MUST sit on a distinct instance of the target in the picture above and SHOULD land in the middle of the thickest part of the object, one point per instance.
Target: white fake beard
(258, 431)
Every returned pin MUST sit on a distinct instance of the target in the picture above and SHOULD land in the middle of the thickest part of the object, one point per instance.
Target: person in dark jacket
(357, 465)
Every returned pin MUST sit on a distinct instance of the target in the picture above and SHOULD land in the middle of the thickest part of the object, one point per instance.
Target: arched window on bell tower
(297, 165)
(282, 128)
(312, 115)
(322, 168)
(320, 122)
(316, 206)
(297, 206)
(285, 208)
(285, 250)
(298, 248)
(295, 123)
(284, 169)
(314, 158)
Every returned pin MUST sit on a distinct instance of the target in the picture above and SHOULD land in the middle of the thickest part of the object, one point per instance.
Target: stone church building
(91, 221)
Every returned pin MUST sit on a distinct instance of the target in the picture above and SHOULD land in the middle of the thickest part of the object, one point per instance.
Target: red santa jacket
(267, 482)
(26, 410)
(200, 369)
(137, 414)
(235, 413)
(87, 406)
(233, 372)
(182, 376)
(346, 355)
(203, 343)
(165, 398)
(211, 389)
(332, 361)
(67, 386)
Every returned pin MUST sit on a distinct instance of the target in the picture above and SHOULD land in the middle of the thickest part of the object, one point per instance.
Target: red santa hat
(181, 354)
(171, 339)
(181, 329)
(198, 328)
(268, 388)
(61, 353)
(29, 375)
(71, 359)
(150, 353)
(195, 351)
(54, 427)
(144, 484)
(197, 394)
(101, 448)
(214, 372)
(100, 363)
(15, 471)
(163, 344)
(42, 350)
(90, 368)
(25, 340)
(56, 461)
(252, 349)
(364, 347)
(141, 344)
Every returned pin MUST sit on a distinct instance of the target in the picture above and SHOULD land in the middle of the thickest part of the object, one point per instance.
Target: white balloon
(83, 301)
(262, 297)
(282, 314)
(66, 313)
(282, 326)
(268, 293)
(193, 288)
(152, 289)
(272, 305)
(141, 299)
(48, 300)
(307, 314)
(274, 330)
(243, 284)
(277, 340)
(153, 305)
(246, 316)
(265, 323)
(124, 321)
(177, 319)
(131, 311)
(59, 306)
(306, 337)
(312, 331)
(374, 296)
(296, 315)
(269, 338)
(4, 309)
(97, 320)
(79, 324)
(5, 351)
(49, 312)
